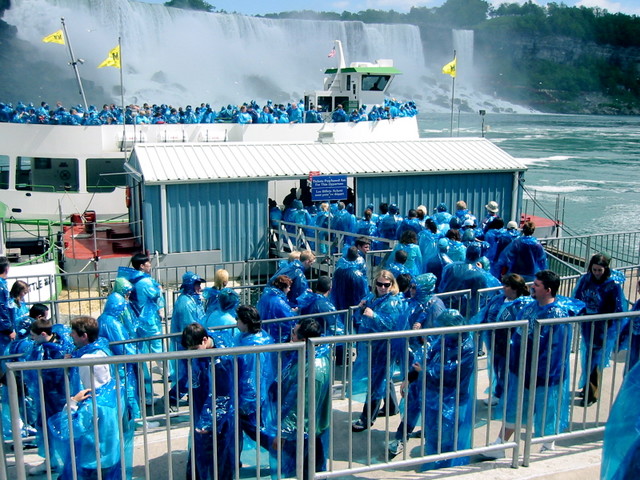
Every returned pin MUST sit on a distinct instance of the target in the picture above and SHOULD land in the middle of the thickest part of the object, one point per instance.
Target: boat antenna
(74, 64)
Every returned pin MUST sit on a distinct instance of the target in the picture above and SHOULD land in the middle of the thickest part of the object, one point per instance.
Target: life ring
(127, 197)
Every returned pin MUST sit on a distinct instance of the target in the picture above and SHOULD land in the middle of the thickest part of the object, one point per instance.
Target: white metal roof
(210, 162)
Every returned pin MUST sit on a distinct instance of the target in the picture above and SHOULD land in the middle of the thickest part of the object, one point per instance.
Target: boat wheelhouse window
(41, 174)
(4, 172)
(375, 83)
(105, 174)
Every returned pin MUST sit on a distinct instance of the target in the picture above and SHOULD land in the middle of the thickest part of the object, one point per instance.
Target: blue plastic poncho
(499, 309)
(634, 347)
(463, 276)
(113, 330)
(524, 256)
(188, 307)
(497, 245)
(621, 451)
(103, 405)
(295, 271)
(204, 408)
(316, 303)
(6, 315)
(600, 298)
(414, 257)
(389, 314)
(555, 348)
(225, 312)
(349, 284)
(446, 365)
(146, 300)
(285, 394)
(59, 345)
(128, 318)
(274, 304)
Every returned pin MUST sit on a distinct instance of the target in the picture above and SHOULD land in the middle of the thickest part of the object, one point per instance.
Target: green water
(582, 169)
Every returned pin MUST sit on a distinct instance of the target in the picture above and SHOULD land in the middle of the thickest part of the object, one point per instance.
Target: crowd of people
(444, 252)
(248, 112)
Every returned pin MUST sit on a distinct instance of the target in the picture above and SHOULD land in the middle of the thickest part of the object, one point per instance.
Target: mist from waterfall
(177, 56)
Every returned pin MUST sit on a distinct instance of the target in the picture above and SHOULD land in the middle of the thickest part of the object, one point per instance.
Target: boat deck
(105, 240)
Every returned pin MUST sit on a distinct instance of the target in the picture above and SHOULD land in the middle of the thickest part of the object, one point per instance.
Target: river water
(582, 169)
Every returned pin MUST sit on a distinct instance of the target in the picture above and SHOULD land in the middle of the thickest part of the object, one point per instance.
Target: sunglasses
(385, 285)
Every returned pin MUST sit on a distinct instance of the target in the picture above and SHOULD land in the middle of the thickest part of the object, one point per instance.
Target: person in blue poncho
(50, 342)
(122, 288)
(409, 243)
(498, 242)
(319, 302)
(111, 327)
(210, 294)
(462, 213)
(441, 218)
(295, 270)
(634, 346)
(225, 312)
(367, 225)
(349, 284)
(94, 397)
(343, 221)
(187, 309)
(7, 334)
(17, 304)
(146, 300)
(274, 304)
(467, 275)
(621, 449)
(214, 449)
(23, 345)
(381, 311)
(444, 369)
(284, 393)
(423, 306)
(551, 398)
(601, 290)
(397, 263)
(503, 307)
(524, 255)
(412, 222)
(388, 224)
(339, 115)
(251, 334)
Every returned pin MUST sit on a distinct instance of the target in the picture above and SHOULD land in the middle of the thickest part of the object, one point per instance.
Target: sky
(258, 7)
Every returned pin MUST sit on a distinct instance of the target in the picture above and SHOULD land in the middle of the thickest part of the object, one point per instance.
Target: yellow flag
(113, 59)
(450, 68)
(55, 37)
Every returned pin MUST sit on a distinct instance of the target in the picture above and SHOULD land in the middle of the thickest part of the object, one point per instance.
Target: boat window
(41, 174)
(4, 172)
(105, 174)
(375, 83)
(348, 83)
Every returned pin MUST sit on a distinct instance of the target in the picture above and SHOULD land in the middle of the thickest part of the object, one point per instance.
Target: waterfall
(463, 44)
(185, 57)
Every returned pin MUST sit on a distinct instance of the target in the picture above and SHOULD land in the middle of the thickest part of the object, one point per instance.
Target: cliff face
(560, 74)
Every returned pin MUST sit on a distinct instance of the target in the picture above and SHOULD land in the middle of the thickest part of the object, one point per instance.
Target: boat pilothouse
(361, 83)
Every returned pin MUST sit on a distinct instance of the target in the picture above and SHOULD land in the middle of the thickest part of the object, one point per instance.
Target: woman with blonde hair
(383, 310)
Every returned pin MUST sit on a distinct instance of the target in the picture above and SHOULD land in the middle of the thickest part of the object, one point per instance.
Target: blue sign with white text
(329, 187)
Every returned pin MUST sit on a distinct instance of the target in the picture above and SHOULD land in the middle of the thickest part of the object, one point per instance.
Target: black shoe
(587, 402)
(580, 394)
(383, 412)
(358, 426)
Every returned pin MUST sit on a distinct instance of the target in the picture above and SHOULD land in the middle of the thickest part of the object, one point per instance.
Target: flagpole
(453, 92)
(74, 63)
(121, 77)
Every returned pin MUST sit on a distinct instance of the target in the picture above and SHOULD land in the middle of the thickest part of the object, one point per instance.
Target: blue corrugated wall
(231, 217)
(409, 191)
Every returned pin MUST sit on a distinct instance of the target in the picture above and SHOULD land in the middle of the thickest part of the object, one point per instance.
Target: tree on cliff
(191, 5)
